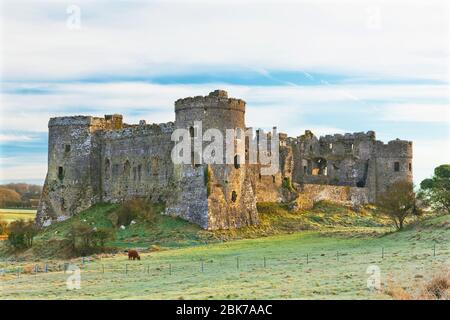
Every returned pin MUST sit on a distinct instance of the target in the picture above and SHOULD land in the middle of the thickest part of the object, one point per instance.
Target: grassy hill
(170, 232)
(319, 263)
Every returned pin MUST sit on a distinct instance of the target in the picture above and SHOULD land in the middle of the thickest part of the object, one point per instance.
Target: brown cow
(133, 255)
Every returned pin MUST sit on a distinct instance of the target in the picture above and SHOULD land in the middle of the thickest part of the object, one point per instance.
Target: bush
(287, 184)
(85, 240)
(135, 209)
(438, 288)
(21, 234)
(3, 227)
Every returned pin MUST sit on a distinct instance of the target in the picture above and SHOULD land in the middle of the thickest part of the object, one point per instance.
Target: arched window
(191, 132)
(126, 169)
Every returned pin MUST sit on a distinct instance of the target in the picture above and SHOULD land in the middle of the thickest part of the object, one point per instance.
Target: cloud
(418, 112)
(25, 172)
(316, 65)
(287, 107)
(428, 154)
(137, 38)
(28, 168)
(14, 138)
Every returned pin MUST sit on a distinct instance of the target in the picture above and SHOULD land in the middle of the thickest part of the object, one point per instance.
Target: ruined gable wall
(333, 160)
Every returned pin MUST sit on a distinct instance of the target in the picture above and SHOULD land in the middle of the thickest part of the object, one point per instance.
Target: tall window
(127, 169)
(234, 196)
(396, 166)
(60, 173)
(107, 169)
(237, 165)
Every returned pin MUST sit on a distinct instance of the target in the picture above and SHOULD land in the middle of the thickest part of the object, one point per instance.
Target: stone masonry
(92, 160)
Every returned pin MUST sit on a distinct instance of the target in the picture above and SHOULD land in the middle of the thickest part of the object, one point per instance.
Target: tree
(102, 235)
(398, 202)
(436, 190)
(9, 197)
(85, 240)
(21, 234)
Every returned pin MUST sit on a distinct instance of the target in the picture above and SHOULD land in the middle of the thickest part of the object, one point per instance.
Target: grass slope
(320, 254)
(305, 265)
(166, 231)
(170, 232)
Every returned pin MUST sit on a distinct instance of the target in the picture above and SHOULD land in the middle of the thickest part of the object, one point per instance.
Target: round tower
(215, 110)
(216, 194)
(393, 163)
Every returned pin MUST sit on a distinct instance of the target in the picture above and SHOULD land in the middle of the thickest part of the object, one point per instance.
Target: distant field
(10, 215)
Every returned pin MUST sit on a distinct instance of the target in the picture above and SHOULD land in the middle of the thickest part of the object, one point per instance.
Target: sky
(322, 65)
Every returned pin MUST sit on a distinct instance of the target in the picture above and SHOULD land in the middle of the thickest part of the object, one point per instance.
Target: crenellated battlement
(394, 149)
(217, 99)
(368, 136)
(70, 121)
(154, 129)
(108, 122)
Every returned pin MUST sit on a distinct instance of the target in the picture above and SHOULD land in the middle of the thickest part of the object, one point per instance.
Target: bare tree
(398, 202)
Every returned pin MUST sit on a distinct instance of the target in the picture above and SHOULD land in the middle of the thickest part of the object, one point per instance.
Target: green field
(319, 263)
(10, 215)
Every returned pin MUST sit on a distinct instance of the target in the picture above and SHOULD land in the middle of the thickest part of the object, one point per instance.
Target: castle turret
(390, 162)
(69, 186)
(218, 195)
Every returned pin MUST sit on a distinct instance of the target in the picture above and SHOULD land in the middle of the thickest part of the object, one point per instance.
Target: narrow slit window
(234, 196)
(237, 164)
(396, 166)
(60, 173)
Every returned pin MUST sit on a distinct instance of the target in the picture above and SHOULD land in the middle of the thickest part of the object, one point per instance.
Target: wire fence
(239, 263)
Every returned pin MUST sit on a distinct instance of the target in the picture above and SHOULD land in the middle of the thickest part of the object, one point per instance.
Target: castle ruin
(93, 160)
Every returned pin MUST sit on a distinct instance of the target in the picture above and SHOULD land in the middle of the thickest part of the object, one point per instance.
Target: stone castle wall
(93, 160)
